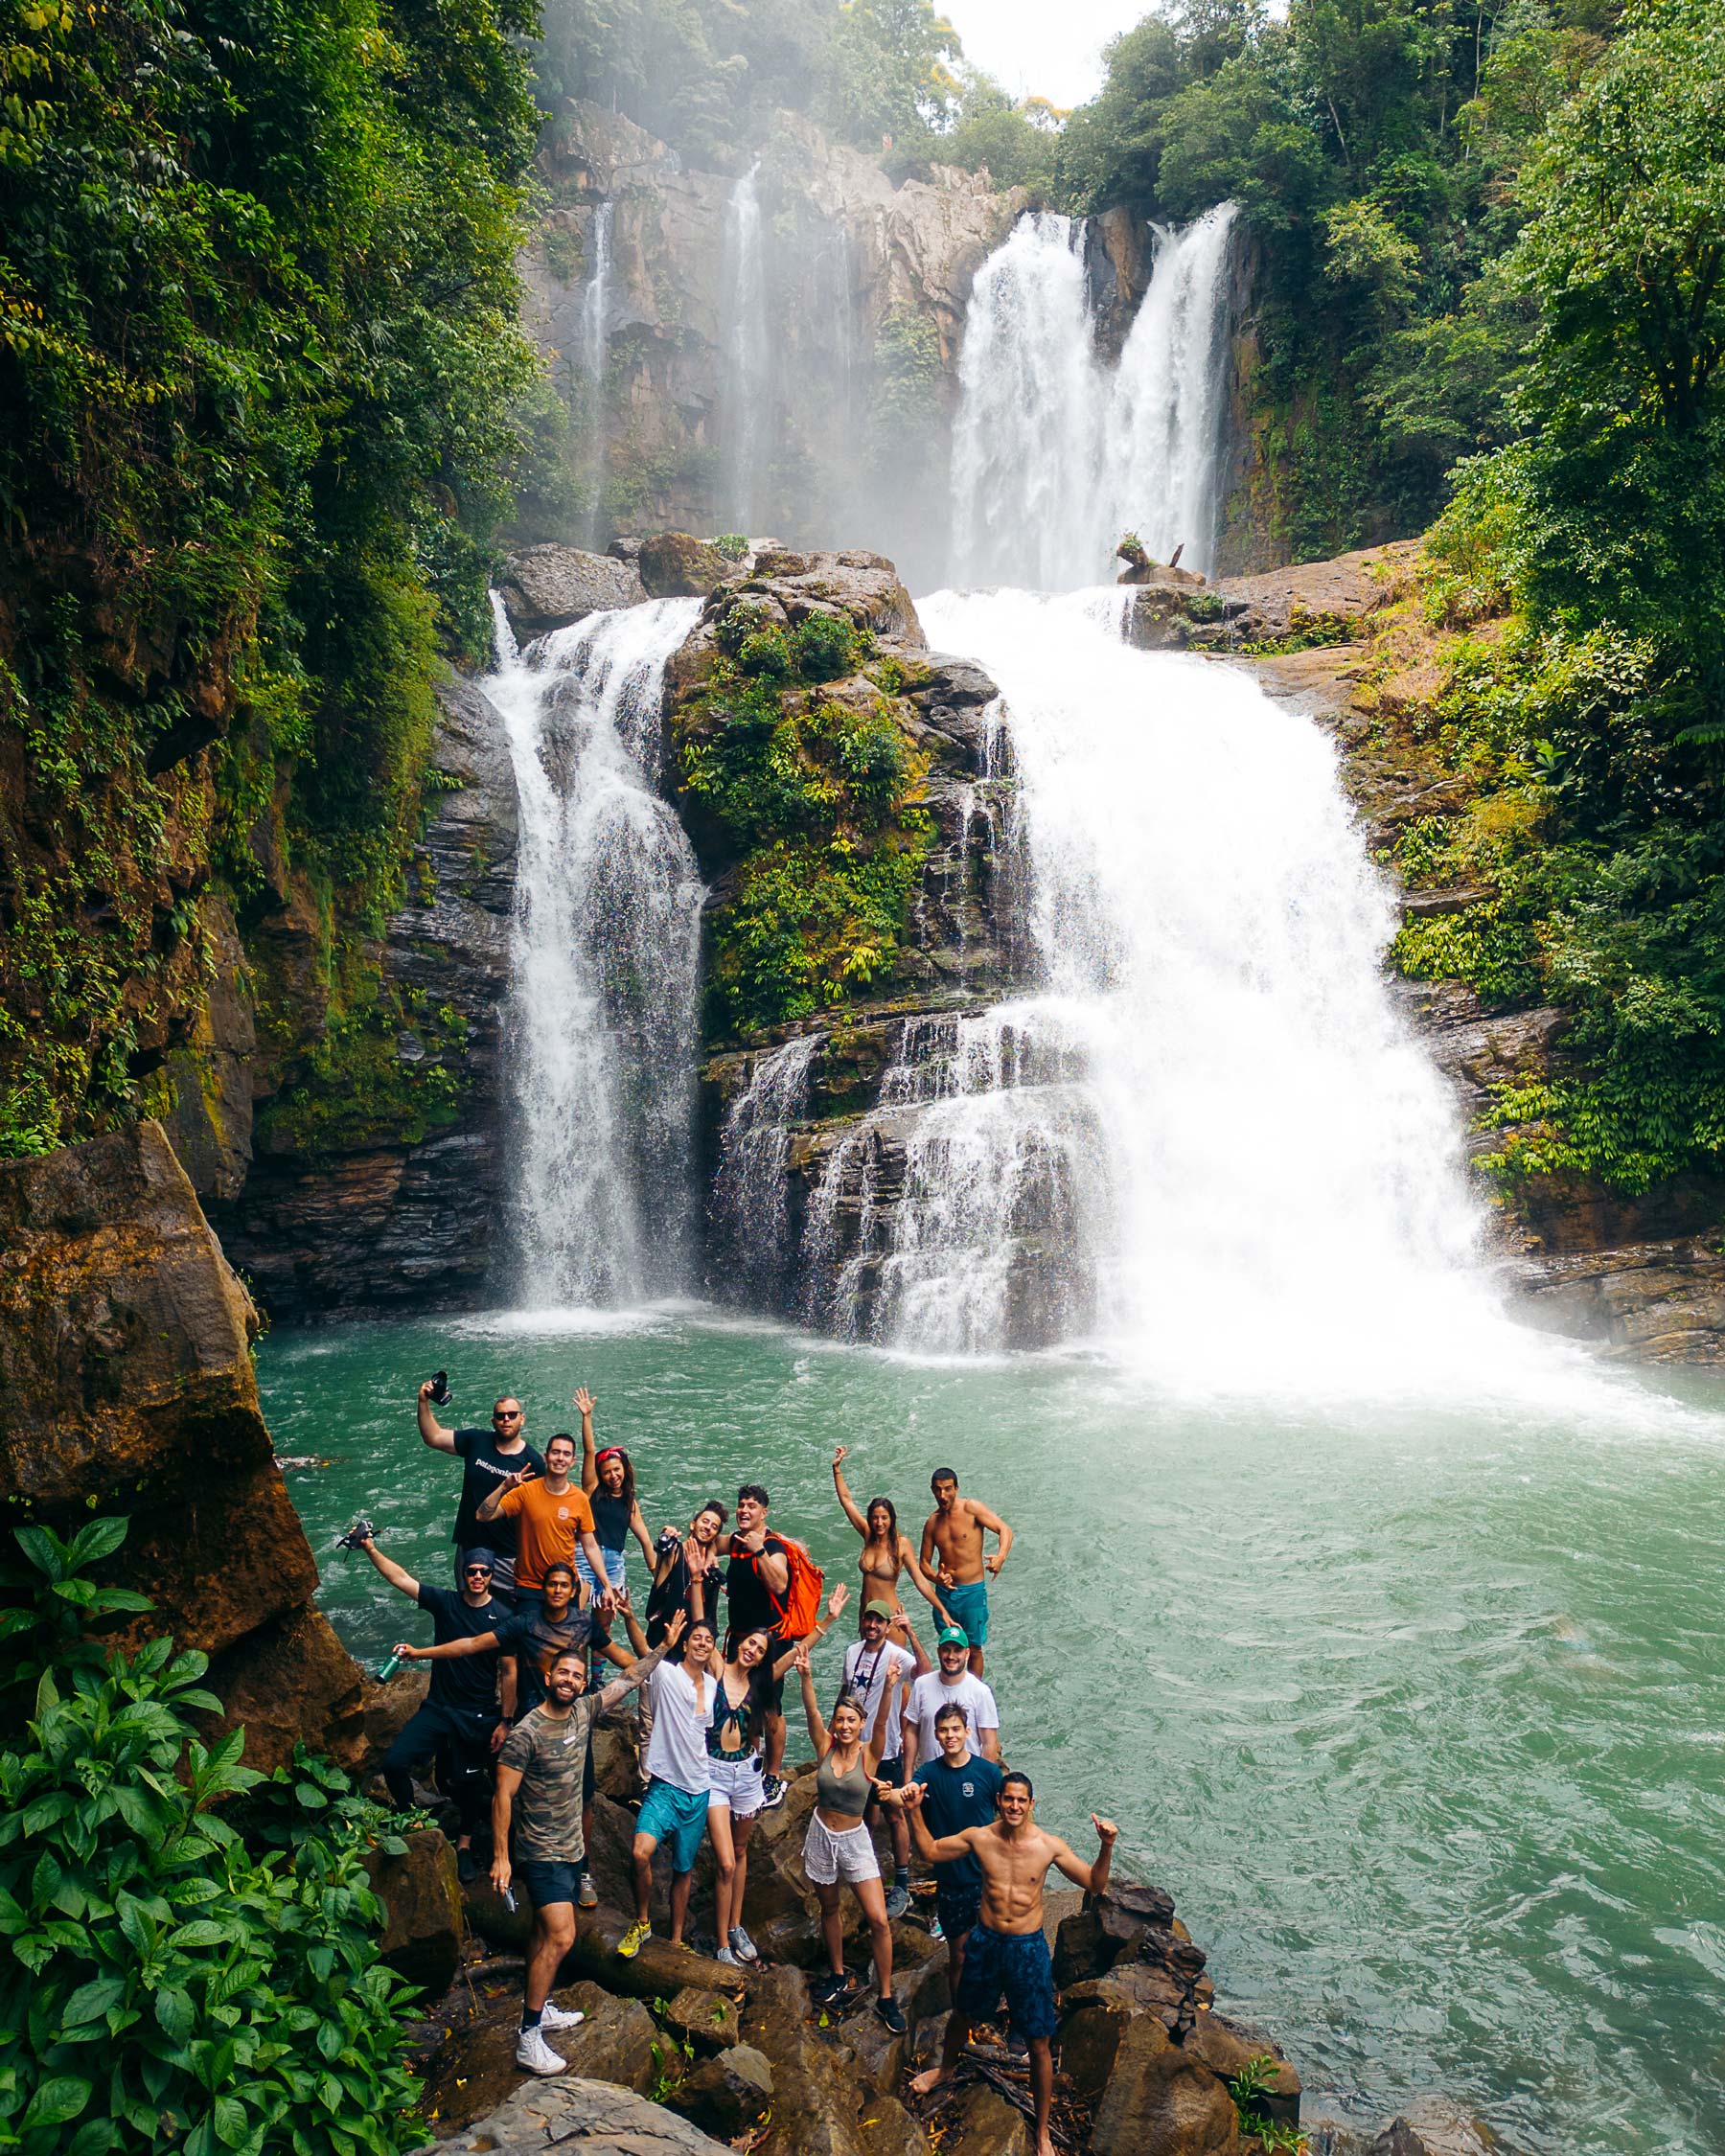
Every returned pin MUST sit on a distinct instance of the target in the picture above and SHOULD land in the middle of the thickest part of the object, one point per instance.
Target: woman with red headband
(608, 1478)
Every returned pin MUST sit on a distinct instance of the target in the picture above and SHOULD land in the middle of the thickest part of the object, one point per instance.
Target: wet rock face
(391, 1219)
(551, 585)
(125, 1367)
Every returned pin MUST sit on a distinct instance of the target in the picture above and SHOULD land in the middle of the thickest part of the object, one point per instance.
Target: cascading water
(595, 344)
(753, 1245)
(744, 343)
(1207, 1138)
(1054, 456)
(602, 1026)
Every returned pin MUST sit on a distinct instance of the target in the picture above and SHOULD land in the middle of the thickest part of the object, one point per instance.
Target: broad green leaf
(56, 2102)
(95, 1540)
(44, 1549)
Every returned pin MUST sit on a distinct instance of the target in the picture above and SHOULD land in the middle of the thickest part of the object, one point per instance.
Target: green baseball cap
(953, 1636)
(878, 1608)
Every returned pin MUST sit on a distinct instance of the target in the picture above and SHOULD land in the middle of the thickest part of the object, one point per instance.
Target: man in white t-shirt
(954, 1684)
(869, 1667)
(679, 1777)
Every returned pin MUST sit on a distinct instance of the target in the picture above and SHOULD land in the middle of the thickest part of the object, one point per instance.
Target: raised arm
(852, 1511)
(493, 1502)
(508, 1780)
(872, 1751)
(900, 1627)
(817, 1729)
(994, 1524)
(402, 1580)
(431, 1430)
(835, 1602)
(589, 1456)
(1092, 1877)
(637, 1672)
(932, 1851)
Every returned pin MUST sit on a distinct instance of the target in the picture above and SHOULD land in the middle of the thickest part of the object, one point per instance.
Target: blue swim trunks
(969, 1606)
(675, 1816)
(1016, 1965)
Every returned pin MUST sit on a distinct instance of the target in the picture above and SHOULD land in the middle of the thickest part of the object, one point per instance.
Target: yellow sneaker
(634, 1939)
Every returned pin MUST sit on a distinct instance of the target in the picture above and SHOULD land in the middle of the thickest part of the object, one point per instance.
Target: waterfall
(744, 350)
(601, 1026)
(595, 335)
(1054, 456)
(751, 1218)
(1207, 1136)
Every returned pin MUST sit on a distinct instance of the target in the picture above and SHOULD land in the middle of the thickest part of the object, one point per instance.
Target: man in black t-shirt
(488, 1457)
(756, 1583)
(461, 1724)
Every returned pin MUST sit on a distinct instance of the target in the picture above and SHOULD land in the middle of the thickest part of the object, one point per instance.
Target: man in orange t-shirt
(551, 1516)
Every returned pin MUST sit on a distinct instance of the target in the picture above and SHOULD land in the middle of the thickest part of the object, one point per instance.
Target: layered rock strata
(126, 1384)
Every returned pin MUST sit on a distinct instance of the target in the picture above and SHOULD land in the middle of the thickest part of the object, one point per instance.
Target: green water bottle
(387, 1669)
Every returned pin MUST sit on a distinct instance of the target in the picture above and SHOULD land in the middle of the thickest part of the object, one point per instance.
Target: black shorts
(547, 1882)
(958, 1908)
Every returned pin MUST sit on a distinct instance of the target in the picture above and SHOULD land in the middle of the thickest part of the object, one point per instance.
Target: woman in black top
(608, 1478)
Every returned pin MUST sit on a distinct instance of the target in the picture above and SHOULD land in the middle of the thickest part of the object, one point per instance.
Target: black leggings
(459, 1740)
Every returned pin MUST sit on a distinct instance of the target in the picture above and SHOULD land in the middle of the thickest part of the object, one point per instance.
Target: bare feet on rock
(930, 2080)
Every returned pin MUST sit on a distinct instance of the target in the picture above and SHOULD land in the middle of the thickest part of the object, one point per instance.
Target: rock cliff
(126, 1382)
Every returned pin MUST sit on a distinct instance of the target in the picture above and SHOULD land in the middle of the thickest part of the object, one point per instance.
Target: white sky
(1043, 48)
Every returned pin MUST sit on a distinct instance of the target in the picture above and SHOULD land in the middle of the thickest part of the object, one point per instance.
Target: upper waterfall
(1054, 456)
(745, 349)
(607, 959)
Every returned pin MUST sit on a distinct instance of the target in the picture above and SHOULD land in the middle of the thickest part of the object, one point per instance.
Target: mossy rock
(677, 565)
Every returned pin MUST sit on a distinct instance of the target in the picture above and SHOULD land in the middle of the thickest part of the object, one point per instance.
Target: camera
(439, 1395)
(359, 1533)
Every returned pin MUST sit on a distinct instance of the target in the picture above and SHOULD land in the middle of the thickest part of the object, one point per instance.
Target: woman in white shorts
(734, 1795)
(838, 1846)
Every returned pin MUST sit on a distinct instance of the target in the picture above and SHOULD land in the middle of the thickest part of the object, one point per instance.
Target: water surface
(1415, 1707)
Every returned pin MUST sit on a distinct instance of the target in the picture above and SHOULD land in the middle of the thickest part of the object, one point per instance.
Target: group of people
(540, 1593)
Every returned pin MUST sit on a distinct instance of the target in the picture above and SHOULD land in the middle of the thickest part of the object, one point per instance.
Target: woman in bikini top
(886, 1551)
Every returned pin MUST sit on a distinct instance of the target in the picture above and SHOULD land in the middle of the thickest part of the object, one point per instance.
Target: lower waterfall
(1206, 1137)
(602, 1024)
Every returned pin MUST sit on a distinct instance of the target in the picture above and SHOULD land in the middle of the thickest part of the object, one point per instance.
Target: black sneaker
(772, 1792)
(830, 1989)
(892, 2014)
(467, 1866)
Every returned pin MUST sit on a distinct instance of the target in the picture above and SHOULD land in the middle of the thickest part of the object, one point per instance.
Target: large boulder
(549, 586)
(677, 565)
(421, 1895)
(1162, 2099)
(727, 2094)
(577, 2112)
(819, 2107)
(983, 2123)
(1432, 2126)
(474, 2070)
(126, 1380)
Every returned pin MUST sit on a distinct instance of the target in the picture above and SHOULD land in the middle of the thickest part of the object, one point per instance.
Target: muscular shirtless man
(955, 1529)
(1006, 1952)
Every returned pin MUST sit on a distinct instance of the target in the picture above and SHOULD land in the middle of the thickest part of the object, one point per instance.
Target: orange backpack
(799, 1610)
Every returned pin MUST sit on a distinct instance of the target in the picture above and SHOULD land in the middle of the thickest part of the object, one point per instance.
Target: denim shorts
(675, 1816)
(1016, 1965)
(614, 1564)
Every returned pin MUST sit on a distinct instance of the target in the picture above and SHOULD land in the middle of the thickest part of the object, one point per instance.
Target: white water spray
(1054, 456)
(602, 1024)
(744, 343)
(1209, 1139)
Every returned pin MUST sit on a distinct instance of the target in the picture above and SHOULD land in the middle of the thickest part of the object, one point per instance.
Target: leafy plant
(734, 545)
(172, 1982)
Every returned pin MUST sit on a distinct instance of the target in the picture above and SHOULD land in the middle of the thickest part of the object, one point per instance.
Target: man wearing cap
(460, 1721)
(953, 1684)
(872, 1665)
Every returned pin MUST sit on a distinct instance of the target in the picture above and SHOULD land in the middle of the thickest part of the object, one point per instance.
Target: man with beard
(543, 1765)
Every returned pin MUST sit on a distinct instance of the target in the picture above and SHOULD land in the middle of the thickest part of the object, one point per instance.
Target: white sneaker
(554, 2016)
(742, 1946)
(537, 2055)
(729, 1960)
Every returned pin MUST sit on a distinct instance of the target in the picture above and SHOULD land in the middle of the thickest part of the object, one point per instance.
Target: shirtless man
(955, 1529)
(1006, 1951)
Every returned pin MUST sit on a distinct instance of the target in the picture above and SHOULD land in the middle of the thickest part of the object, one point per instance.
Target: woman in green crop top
(838, 1846)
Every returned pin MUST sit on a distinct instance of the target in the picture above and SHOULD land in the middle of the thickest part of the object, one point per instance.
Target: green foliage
(386, 1071)
(812, 799)
(258, 351)
(170, 1981)
(732, 545)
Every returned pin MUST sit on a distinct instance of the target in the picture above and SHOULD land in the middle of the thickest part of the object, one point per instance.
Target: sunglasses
(476, 1571)
(507, 1414)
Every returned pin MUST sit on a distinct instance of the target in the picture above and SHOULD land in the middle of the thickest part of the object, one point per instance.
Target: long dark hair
(892, 1526)
(760, 1678)
(628, 1491)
